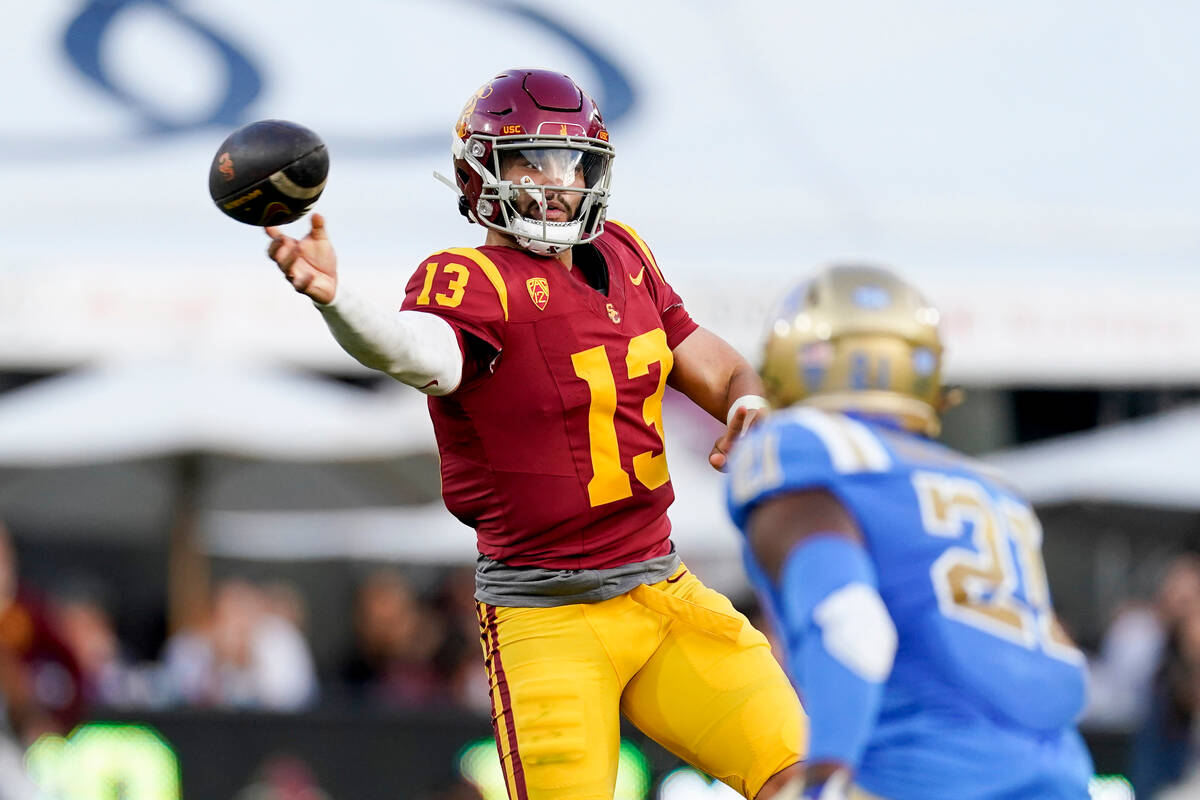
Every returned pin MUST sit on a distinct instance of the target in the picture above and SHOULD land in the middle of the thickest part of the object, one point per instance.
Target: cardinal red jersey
(554, 452)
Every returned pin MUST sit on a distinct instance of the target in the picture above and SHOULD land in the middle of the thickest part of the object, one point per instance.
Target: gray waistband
(498, 584)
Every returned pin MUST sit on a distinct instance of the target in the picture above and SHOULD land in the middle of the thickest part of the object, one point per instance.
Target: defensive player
(545, 354)
(906, 580)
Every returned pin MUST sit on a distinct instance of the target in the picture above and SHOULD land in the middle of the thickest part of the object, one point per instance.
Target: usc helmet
(556, 129)
(857, 338)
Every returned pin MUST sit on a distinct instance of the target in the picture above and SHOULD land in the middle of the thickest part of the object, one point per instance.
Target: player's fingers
(273, 232)
(753, 417)
(318, 227)
(717, 458)
(285, 255)
(301, 280)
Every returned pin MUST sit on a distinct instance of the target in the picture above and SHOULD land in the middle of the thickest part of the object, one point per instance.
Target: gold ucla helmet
(857, 338)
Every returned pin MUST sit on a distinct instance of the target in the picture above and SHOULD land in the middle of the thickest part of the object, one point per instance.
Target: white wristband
(751, 401)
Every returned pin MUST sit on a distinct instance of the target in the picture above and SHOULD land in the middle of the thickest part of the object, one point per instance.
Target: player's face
(546, 167)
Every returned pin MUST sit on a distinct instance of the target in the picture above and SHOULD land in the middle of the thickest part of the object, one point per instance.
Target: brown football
(269, 172)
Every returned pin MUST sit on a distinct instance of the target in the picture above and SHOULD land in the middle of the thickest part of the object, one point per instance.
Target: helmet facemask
(547, 192)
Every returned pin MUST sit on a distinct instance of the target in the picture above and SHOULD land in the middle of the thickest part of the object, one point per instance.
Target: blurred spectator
(40, 681)
(88, 632)
(396, 639)
(285, 601)
(458, 657)
(1121, 675)
(39, 677)
(1165, 750)
(244, 655)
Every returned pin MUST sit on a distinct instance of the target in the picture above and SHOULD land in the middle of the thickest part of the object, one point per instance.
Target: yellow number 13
(457, 285)
(609, 481)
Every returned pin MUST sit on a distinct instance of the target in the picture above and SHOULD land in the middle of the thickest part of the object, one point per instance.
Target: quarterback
(905, 579)
(545, 354)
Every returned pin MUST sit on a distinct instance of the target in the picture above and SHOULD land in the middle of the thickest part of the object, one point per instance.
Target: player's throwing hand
(309, 264)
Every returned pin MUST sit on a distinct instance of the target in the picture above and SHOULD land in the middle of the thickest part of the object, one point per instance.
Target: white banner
(1031, 165)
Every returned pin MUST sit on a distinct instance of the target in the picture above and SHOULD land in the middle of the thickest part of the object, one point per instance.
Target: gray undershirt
(499, 584)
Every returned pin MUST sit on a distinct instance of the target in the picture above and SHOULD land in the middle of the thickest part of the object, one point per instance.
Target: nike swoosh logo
(638, 280)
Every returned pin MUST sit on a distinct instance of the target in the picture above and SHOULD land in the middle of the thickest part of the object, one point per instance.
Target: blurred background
(225, 568)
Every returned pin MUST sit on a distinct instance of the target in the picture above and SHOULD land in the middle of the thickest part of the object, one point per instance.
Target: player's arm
(838, 632)
(415, 348)
(718, 379)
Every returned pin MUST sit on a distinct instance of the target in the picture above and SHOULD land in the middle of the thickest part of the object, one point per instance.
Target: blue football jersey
(986, 686)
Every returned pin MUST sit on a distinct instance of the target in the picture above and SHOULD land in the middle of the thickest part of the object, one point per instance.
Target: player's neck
(497, 239)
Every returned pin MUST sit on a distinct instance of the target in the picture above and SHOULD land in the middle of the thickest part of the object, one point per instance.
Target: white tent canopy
(1151, 461)
(102, 419)
(130, 410)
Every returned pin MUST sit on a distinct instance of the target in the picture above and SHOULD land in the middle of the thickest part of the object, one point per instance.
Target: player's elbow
(857, 630)
(429, 357)
(431, 377)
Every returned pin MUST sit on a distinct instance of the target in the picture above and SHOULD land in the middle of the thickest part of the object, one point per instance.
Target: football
(269, 172)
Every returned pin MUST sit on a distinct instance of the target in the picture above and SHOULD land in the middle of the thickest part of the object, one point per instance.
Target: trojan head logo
(539, 292)
(562, 130)
(225, 166)
(469, 108)
(612, 313)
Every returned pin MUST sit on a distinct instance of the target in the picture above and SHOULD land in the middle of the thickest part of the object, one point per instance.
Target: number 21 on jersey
(985, 586)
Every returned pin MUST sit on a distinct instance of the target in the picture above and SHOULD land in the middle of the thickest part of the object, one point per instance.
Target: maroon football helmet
(548, 127)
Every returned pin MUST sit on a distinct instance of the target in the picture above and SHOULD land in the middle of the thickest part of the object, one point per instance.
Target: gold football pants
(674, 657)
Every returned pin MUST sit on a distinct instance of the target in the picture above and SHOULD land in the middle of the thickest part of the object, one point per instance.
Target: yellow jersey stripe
(641, 245)
(489, 269)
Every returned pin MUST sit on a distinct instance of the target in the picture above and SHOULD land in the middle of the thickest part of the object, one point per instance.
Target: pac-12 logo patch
(539, 292)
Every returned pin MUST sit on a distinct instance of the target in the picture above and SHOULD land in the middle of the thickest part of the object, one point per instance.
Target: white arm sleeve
(413, 347)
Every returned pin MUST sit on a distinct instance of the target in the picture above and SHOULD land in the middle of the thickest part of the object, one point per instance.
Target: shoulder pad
(797, 449)
(630, 237)
(477, 258)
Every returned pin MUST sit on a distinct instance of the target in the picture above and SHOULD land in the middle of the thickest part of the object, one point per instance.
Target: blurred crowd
(1145, 679)
(415, 644)
(248, 648)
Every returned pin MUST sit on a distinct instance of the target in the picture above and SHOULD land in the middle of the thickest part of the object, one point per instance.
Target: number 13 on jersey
(609, 481)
